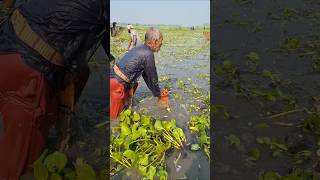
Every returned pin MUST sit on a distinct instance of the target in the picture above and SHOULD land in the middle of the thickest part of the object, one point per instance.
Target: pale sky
(170, 12)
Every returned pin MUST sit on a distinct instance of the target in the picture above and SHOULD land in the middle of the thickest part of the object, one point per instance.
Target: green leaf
(69, 174)
(143, 170)
(232, 140)
(281, 146)
(253, 56)
(176, 134)
(135, 133)
(117, 156)
(255, 154)
(195, 147)
(122, 117)
(127, 120)
(55, 176)
(204, 138)
(263, 140)
(145, 120)
(136, 117)
(125, 130)
(40, 172)
(130, 155)
(169, 125)
(291, 44)
(194, 129)
(270, 176)
(84, 171)
(127, 112)
(158, 125)
(207, 151)
(127, 143)
(142, 131)
(151, 172)
(181, 134)
(262, 125)
(162, 174)
(119, 141)
(143, 159)
(228, 66)
(55, 162)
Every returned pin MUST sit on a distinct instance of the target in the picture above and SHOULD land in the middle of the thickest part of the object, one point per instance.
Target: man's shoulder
(147, 49)
(142, 50)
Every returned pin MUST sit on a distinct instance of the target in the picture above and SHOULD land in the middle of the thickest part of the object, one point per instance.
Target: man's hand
(163, 100)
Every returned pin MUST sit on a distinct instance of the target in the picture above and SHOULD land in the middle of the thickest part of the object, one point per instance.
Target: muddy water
(89, 142)
(237, 41)
(194, 165)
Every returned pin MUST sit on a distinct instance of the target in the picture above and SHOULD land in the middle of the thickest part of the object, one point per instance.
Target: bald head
(152, 34)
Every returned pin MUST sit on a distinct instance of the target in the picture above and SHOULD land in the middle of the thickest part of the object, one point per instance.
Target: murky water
(237, 41)
(90, 142)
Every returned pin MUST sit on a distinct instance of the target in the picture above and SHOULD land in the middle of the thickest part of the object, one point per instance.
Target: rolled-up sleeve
(150, 75)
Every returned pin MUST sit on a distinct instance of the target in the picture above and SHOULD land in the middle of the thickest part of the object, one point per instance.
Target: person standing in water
(134, 37)
(125, 73)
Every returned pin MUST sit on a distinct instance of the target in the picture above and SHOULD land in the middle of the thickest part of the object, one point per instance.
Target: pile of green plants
(54, 167)
(142, 142)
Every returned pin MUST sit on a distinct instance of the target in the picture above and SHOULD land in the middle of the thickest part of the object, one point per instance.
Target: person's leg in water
(67, 100)
(131, 93)
(117, 100)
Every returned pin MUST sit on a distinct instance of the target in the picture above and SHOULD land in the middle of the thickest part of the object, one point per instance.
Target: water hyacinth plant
(142, 142)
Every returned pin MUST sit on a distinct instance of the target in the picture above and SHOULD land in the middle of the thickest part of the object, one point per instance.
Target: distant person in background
(134, 37)
(113, 29)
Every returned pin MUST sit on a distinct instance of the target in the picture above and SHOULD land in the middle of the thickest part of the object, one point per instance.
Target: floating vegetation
(274, 144)
(200, 126)
(295, 174)
(269, 92)
(291, 44)
(53, 166)
(253, 61)
(176, 50)
(142, 142)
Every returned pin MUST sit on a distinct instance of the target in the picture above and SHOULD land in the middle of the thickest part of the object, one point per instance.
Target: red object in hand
(164, 98)
(164, 93)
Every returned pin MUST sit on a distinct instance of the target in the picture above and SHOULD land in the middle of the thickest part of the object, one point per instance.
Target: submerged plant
(291, 44)
(253, 61)
(274, 144)
(226, 71)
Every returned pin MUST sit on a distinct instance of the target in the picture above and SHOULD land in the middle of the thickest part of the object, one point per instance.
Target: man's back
(72, 27)
(139, 61)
